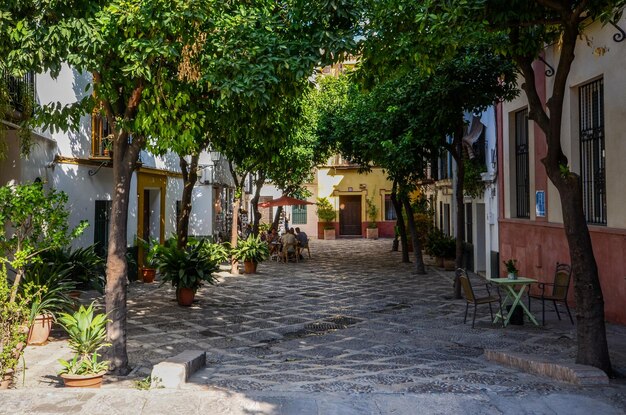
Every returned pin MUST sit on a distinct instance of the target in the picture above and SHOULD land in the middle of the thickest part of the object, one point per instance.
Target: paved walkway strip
(351, 321)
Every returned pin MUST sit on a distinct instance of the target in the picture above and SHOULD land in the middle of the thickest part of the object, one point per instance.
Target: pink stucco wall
(538, 246)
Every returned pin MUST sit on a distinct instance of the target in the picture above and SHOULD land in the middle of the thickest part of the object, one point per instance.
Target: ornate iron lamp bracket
(620, 35)
(550, 70)
(94, 172)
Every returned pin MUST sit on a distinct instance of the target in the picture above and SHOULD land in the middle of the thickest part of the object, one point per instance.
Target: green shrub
(251, 249)
(186, 268)
(87, 332)
(87, 267)
(325, 211)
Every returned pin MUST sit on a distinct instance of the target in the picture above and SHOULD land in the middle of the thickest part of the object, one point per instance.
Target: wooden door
(350, 215)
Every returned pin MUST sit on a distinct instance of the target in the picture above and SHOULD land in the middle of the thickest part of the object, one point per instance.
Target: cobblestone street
(352, 319)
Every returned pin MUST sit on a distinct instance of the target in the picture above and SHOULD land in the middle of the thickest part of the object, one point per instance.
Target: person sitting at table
(273, 241)
(303, 241)
(289, 243)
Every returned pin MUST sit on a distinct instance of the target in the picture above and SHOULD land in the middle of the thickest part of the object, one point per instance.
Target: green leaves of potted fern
(87, 331)
(326, 212)
(186, 269)
(251, 251)
(372, 215)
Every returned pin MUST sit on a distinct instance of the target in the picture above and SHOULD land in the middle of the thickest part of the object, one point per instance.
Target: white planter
(512, 276)
(372, 233)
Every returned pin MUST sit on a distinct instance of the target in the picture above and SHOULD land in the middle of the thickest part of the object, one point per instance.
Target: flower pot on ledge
(329, 234)
(372, 233)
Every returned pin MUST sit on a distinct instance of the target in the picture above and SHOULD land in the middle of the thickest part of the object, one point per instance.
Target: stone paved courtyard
(353, 319)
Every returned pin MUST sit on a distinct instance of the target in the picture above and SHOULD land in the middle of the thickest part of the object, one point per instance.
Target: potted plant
(87, 332)
(186, 269)
(151, 250)
(251, 251)
(107, 146)
(326, 212)
(372, 215)
(448, 252)
(49, 289)
(217, 252)
(86, 267)
(511, 268)
(434, 247)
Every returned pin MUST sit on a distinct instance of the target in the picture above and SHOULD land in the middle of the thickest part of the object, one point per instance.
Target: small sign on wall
(540, 203)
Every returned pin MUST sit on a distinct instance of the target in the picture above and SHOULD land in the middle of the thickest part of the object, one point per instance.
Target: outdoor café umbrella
(284, 201)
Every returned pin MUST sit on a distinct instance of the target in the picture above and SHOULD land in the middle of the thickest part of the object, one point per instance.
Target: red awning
(285, 201)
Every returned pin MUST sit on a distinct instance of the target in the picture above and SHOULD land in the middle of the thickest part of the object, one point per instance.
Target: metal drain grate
(343, 321)
(320, 327)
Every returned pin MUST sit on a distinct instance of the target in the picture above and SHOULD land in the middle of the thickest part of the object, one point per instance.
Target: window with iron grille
(20, 90)
(469, 235)
(101, 226)
(100, 135)
(298, 215)
(445, 167)
(522, 182)
(179, 211)
(390, 211)
(592, 157)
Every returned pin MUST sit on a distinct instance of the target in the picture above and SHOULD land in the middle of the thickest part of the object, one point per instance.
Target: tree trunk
(256, 215)
(460, 205)
(190, 177)
(125, 156)
(397, 205)
(591, 331)
(279, 210)
(417, 249)
(234, 264)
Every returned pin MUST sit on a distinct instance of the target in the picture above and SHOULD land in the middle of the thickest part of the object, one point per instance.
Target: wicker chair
(290, 250)
(471, 298)
(558, 294)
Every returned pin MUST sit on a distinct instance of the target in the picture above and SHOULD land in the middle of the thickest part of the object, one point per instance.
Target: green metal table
(514, 291)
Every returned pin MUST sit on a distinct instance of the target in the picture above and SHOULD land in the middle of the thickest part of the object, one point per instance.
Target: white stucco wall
(603, 58)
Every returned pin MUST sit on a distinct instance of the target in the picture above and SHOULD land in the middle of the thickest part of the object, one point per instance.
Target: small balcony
(21, 92)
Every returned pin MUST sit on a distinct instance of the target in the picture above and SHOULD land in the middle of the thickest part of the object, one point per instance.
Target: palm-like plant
(252, 249)
(49, 287)
(217, 252)
(187, 267)
(87, 331)
(87, 268)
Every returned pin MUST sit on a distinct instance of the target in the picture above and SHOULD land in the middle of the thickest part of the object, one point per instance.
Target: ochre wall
(333, 182)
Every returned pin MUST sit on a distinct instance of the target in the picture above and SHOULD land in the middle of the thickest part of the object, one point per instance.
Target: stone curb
(174, 372)
(562, 371)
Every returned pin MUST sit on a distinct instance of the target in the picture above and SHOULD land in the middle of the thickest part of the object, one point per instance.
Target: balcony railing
(19, 89)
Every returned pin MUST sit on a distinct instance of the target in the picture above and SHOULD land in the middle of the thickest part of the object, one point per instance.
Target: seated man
(289, 242)
(303, 241)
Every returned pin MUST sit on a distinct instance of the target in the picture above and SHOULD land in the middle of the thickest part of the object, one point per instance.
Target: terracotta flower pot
(449, 264)
(148, 274)
(83, 381)
(75, 294)
(249, 267)
(40, 330)
(329, 234)
(6, 380)
(185, 296)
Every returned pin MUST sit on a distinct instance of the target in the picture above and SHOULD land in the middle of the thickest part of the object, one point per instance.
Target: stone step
(174, 371)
